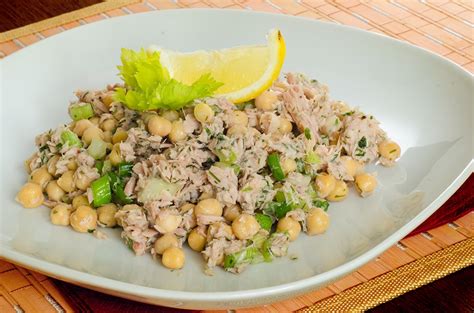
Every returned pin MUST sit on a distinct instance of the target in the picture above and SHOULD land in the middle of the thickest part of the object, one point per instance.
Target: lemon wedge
(245, 71)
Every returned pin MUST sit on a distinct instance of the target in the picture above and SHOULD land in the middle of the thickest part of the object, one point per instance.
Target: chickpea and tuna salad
(236, 182)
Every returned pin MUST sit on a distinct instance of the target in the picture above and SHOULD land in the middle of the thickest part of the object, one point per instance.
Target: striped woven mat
(444, 27)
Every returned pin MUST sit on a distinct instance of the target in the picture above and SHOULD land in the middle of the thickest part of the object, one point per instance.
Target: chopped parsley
(360, 152)
(214, 176)
(362, 143)
(307, 133)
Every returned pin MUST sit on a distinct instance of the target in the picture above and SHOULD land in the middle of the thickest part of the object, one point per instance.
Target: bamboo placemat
(442, 26)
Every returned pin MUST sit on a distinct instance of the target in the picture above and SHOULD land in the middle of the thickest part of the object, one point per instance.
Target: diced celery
(154, 187)
(81, 111)
(70, 139)
(97, 149)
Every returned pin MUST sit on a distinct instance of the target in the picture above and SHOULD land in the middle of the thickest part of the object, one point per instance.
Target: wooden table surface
(453, 293)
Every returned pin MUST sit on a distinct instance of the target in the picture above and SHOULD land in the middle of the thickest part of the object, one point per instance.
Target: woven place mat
(444, 27)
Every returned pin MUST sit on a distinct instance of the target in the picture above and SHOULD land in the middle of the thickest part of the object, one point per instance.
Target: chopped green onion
(273, 162)
(248, 255)
(320, 203)
(312, 158)
(280, 196)
(277, 209)
(307, 133)
(71, 139)
(101, 191)
(282, 209)
(125, 169)
(235, 167)
(300, 166)
(99, 165)
(265, 221)
(117, 187)
(107, 167)
(230, 260)
(97, 149)
(228, 157)
(266, 252)
(120, 196)
(81, 111)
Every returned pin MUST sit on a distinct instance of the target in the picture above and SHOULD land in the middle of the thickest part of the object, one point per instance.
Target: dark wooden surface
(454, 293)
(17, 13)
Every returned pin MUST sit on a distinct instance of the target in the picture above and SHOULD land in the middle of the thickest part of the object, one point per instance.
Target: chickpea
(66, 181)
(339, 192)
(59, 215)
(186, 207)
(130, 207)
(173, 258)
(240, 118)
(115, 156)
(232, 212)
(84, 219)
(164, 242)
(167, 223)
(108, 100)
(324, 184)
(288, 165)
(266, 101)
(209, 206)
(51, 165)
(81, 126)
(41, 176)
(177, 132)
(54, 192)
(159, 126)
(106, 215)
(170, 115)
(365, 184)
(78, 201)
(203, 113)
(108, 125)
(72, 165)
(95, 120)
(108, 136)
(285, 126)
(245, 226)
(147, 115)
(196, 241)
(82, 181)
(317, 221)
(289, 225)
(236, 130)
(389, 150)
(30, 195)
(91, 133)
(352, 166)
(119, 136)
(206, 195)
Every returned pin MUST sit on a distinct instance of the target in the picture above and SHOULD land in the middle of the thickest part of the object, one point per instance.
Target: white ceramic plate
(423, 101)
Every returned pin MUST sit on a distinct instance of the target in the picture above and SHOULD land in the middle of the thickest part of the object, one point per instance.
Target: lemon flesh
(245, 71)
